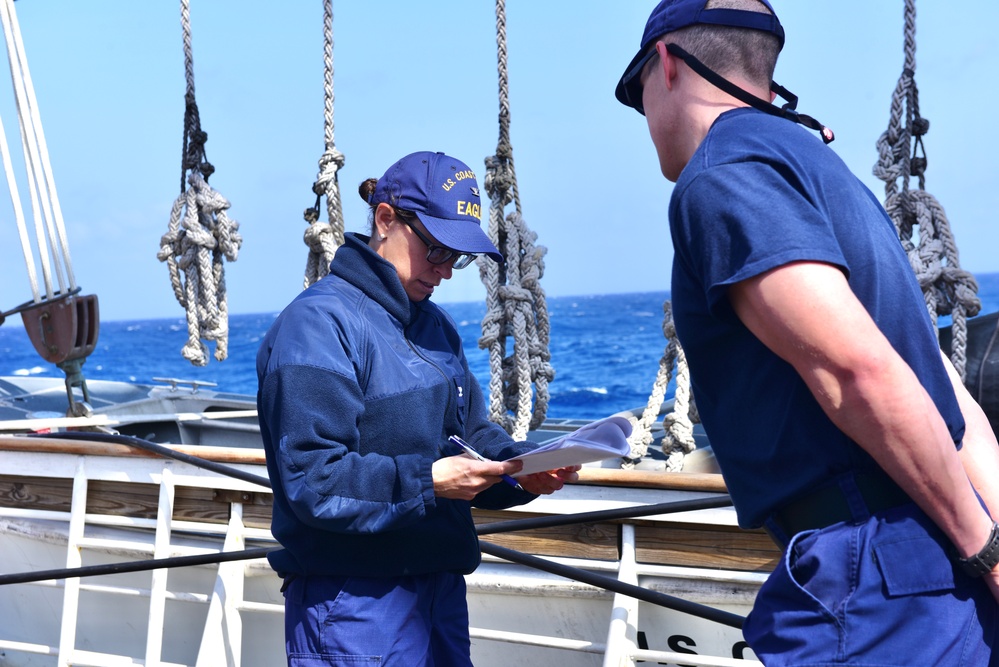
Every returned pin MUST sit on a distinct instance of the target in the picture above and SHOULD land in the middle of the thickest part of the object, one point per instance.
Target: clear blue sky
(422, 76)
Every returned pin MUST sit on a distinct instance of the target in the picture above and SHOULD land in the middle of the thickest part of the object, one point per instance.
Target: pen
(467, 448)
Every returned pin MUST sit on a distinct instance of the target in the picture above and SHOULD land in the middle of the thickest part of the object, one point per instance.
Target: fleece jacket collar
(375, 276)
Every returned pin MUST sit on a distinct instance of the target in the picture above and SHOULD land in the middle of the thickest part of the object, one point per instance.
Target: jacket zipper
(447, 381)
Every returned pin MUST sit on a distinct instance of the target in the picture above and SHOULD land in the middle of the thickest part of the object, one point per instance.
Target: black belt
(829, 505)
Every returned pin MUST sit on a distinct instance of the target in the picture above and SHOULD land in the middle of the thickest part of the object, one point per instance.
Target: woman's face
(404, 249)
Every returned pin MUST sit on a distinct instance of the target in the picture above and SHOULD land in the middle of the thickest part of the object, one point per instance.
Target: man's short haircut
(730, 52)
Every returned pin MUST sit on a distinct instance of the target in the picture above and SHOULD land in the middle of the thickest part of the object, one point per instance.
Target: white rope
(947, 288)
(323, 238)
(50, 231)
(515, 301)
(678, 440)
(200, 234)
(22, 226)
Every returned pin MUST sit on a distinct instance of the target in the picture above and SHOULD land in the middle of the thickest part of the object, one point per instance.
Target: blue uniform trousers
(413, 621)
(879, 592)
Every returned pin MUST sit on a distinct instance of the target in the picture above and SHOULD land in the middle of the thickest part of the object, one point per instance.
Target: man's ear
(668, 63)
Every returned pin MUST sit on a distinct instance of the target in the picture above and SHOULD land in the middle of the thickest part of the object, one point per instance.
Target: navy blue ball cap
(672, 15)
(444, 195)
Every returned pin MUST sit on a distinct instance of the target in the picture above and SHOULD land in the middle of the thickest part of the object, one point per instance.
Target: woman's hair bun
(367, 188)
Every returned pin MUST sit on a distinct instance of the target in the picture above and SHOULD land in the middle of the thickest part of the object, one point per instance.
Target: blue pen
(467, 448)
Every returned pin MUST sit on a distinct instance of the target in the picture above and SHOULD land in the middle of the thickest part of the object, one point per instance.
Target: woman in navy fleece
(362, 379)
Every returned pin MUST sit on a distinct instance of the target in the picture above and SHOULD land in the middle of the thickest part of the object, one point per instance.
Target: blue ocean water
(605, 350)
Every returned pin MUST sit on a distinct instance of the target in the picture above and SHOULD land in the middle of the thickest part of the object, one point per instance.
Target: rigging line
(515, 301)
(946, 287)
(323, 238)
(135, 566)
(50, 200)
(615, 586)
(139, 443)
(200, 234)
(22, 227)
(713, 502)
(248, 554)
(6, 7)
(678, 421)
(493, 528)
(192, 141)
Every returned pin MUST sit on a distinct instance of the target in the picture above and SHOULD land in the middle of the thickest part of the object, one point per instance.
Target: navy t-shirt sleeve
(726, 236)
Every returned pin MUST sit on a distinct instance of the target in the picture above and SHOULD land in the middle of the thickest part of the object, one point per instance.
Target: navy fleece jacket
(359, 389)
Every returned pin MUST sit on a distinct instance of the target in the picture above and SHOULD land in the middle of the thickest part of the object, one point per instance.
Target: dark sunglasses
(633, 82)
(439, 254)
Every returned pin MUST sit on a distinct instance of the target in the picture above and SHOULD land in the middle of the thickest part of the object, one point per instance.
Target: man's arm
(806, 313)
(980, 451)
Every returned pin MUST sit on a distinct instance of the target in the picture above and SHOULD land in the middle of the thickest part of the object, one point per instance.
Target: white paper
(603, 439)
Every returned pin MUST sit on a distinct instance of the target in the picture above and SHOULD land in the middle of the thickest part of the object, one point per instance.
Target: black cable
(139, 443)
(134, 566)
(604, 515)
(615, 586)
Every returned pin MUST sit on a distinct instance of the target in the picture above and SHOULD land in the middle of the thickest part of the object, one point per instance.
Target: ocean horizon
(605, 349)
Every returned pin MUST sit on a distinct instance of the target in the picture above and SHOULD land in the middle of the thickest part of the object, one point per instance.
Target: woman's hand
(462, 478)
(549, 481)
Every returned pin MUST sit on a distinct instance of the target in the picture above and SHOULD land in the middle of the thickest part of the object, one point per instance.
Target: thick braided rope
(948, 289)
(515, 301)
(199, 235)
(678, 440)
(323, 238)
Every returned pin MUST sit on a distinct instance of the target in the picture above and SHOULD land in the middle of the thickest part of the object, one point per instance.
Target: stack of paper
(603, 439)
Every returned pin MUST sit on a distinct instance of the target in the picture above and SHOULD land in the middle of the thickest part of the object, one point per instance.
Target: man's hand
(992, 580)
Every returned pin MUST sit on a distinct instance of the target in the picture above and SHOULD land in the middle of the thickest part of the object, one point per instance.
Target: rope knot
(922, 226)
(325, 238)
(200, 235)
(206, 169)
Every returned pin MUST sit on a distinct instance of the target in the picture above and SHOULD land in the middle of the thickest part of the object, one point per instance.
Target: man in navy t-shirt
(837, 423)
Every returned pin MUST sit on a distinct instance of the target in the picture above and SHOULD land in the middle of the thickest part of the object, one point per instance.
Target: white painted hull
(231, 614)
(506, 602)
(116, 623)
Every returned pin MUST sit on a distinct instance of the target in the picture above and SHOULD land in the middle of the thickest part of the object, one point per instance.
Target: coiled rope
(515, 301)
(678, 423)
(948, 289)
(200, 233)
(323, 238)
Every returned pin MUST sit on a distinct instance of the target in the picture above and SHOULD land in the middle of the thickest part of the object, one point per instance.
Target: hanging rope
(324, 238)
(678, 440)
(200, 233)
(50, 230)
(515, 300)
(948, 289)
